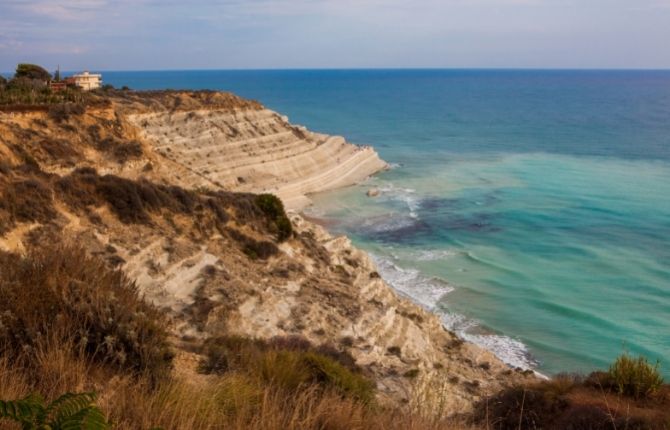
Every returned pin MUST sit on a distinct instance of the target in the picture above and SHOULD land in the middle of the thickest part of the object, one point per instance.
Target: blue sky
(170, 34)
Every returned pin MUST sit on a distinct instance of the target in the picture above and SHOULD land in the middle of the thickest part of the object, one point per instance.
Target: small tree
(32, 71)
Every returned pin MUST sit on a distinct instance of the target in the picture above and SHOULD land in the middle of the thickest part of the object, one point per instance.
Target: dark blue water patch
(409, 231)
(474, 223)
(434, 204)
(396, 230)
(471, 201)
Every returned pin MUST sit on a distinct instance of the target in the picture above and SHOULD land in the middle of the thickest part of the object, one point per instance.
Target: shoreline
(238, 277)
(325, 163)
(529, 363)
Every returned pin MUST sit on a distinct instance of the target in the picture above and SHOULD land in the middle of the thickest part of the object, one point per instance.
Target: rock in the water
(373, 192)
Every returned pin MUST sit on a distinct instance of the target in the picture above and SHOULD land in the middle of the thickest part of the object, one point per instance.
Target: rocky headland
(224, 272)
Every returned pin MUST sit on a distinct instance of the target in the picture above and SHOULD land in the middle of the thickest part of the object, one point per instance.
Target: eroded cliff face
(257, 150)
(208, 257)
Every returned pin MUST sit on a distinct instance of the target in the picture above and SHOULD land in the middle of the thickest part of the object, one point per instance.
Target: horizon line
(316, 69)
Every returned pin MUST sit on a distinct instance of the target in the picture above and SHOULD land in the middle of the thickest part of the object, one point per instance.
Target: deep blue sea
(531, 209)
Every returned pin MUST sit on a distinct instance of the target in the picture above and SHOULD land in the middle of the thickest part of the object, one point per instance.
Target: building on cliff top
(87, 81)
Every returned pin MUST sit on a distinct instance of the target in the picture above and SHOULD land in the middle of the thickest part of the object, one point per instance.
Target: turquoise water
(531, 209)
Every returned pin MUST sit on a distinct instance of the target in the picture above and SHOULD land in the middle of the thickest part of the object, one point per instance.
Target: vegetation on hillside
(289, 363)
(31, 195)
(57, 294)
(631, 395)
(273, 208)
(30, 86)
(81, 328)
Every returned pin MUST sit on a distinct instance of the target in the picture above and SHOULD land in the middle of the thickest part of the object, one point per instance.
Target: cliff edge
(158, 184)
(254, 149)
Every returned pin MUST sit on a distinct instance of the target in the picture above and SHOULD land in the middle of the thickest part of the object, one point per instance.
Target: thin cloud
(128, 34)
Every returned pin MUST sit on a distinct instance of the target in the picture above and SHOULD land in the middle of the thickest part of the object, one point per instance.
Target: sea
(530, 209)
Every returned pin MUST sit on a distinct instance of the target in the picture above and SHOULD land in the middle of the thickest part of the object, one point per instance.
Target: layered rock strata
(257, 151)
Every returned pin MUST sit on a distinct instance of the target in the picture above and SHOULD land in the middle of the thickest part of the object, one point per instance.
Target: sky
(279, 34)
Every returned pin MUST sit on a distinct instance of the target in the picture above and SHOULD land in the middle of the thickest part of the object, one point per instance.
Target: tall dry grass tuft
(635, 377)
(60, 295)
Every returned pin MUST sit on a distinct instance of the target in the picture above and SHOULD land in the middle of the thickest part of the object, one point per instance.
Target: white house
(88, 81)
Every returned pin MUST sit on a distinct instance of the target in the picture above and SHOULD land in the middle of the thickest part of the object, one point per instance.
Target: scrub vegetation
(72, 325)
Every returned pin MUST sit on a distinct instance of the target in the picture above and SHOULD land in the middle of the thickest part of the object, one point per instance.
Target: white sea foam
(411, 283)
(428, 292)
(433, 255)
(511, 351)
(389, 223)
(405, 195)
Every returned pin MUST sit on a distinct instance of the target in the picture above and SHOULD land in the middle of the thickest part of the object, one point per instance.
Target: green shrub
(288, 363)
(273, 208)
(68, 412)
(130, 200)
(328, 372)
(634, 377)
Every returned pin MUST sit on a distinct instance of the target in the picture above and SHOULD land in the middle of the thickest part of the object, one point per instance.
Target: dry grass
(60, 307)
(574, 402)
(58, 294)
(25, 200)
(29, 195)
(232, 401)
(290, 364)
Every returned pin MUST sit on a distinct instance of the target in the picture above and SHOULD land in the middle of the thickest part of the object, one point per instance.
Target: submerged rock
(373, 192)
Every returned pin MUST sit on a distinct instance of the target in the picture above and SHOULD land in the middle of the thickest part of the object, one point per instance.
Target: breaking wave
(430, 291)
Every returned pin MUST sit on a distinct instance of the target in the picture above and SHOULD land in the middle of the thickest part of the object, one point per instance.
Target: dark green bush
(332, 374)
(31, 71)
(273, 208)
